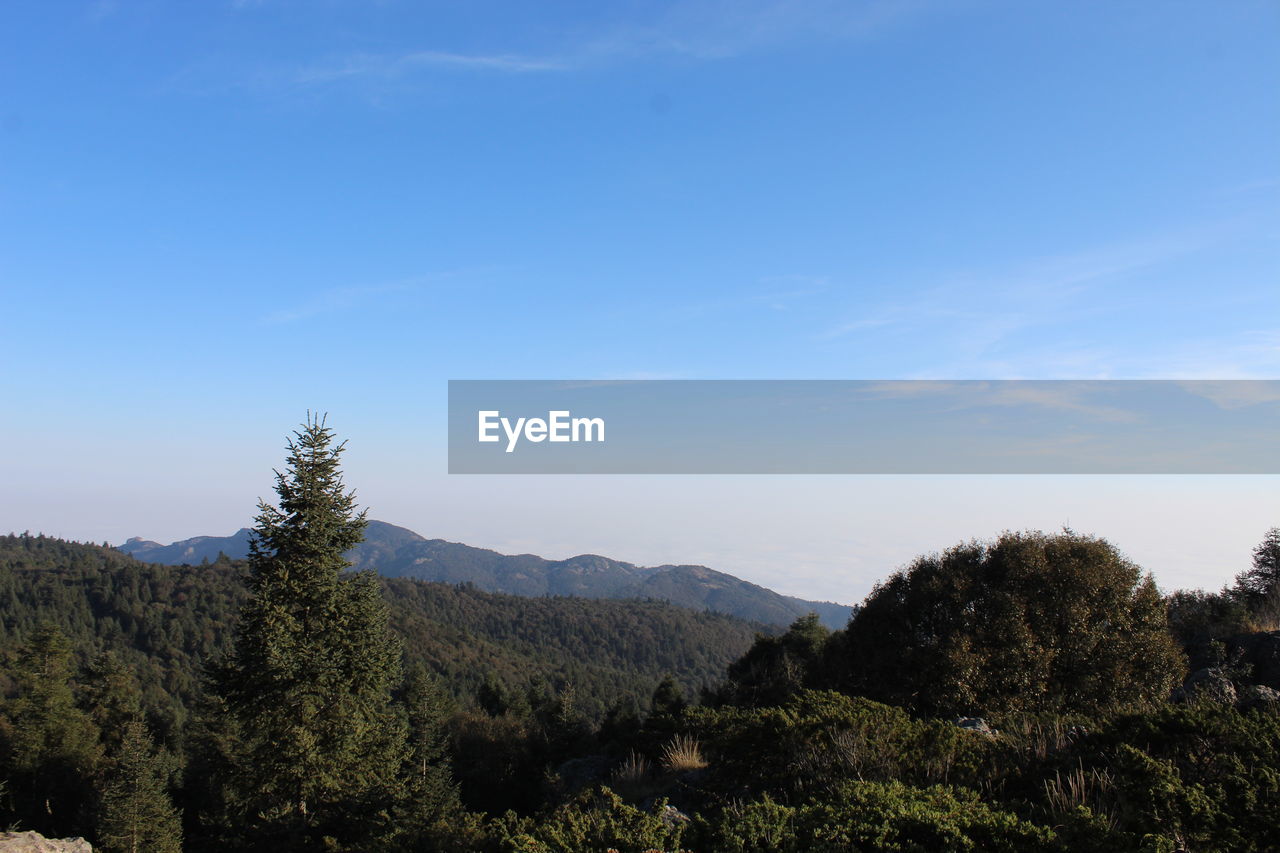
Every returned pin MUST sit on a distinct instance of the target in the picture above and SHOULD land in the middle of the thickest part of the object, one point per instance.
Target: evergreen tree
(53, 746)
(431, 794)
(137, 815)
(1259, 587)
(111, 698)
(774, 668)
(668, 699)
(318, 751)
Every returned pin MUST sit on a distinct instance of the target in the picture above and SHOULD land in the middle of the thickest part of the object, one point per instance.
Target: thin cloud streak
(1021, 298)
(704, 30)
(374, 65)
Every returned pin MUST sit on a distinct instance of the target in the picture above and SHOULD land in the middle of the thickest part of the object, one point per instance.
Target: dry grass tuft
(1077, 787)
(683, 754)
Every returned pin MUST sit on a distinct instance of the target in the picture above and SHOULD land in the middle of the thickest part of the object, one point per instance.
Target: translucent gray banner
(864, 427)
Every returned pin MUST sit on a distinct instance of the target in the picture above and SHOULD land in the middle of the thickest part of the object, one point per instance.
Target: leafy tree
(320, 750)
(1028, 622)
(137, 815)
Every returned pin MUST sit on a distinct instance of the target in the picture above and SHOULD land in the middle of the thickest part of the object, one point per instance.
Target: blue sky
(216, 215)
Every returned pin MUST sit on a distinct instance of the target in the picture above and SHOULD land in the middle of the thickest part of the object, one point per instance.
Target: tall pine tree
(318, 754)
(137, 815)
(52, 749)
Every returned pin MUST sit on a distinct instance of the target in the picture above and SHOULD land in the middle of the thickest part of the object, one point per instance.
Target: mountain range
(398, 552)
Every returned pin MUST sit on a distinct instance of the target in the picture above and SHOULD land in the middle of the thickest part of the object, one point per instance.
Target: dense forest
(1036, 692)
(164, 621)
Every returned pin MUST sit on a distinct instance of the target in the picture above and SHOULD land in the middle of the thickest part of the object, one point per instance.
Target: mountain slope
(167, 621)
(398, 552)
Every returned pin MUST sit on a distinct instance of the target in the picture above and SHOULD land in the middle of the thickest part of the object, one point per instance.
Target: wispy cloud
(394, 66)
(335, 300)
(995, 305)
(720, 29)
(1004, 323)
(699, 30)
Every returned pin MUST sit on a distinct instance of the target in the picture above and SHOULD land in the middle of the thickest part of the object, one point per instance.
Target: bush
(798, 749)
(597, 821)
(875, 816)
(1030, 622)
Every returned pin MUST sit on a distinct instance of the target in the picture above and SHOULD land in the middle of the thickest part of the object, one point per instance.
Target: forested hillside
(165, 621)
(398, 552)
(812, 740)
(1029, 693)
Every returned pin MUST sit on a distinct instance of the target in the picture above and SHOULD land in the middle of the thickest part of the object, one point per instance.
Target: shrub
(596, 821)
(1028, 622)
(875, 816)
(800, 748)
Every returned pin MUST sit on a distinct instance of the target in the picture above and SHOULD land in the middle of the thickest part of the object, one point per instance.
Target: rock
(34, 842)
(975, 724)
(1258, 696)
(1208, 683)
(672, 817)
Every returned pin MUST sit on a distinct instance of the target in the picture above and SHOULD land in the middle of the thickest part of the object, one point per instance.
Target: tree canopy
(1028, 622)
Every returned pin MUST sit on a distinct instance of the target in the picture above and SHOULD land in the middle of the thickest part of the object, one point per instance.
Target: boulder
(1209, 683)
(672, 817)
(975, 724)
(1258, 696)
(34, 842)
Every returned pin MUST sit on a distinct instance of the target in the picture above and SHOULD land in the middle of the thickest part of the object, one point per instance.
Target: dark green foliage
(136, 815)
(610, 651)
(318, 750)
(596, 820)
(1206, 775)
(794, 751)
(508, 761)
(111, 696)
(162, 621)
(668, 699)
(1029, 622)
(1197, 618)
(1259, 587)
(430, 802)
(875, 816)
(776, 667)
(51, 750)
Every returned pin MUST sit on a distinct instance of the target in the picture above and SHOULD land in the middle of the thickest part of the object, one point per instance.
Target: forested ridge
(164, 621)
(1035, 692)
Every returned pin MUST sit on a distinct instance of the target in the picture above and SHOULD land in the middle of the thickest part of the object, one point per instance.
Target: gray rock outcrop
(34, 842)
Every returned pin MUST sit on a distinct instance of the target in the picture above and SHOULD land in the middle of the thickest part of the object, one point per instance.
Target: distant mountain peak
(400, 552)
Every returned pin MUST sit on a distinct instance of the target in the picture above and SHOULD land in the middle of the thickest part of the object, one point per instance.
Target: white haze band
(559, 426)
